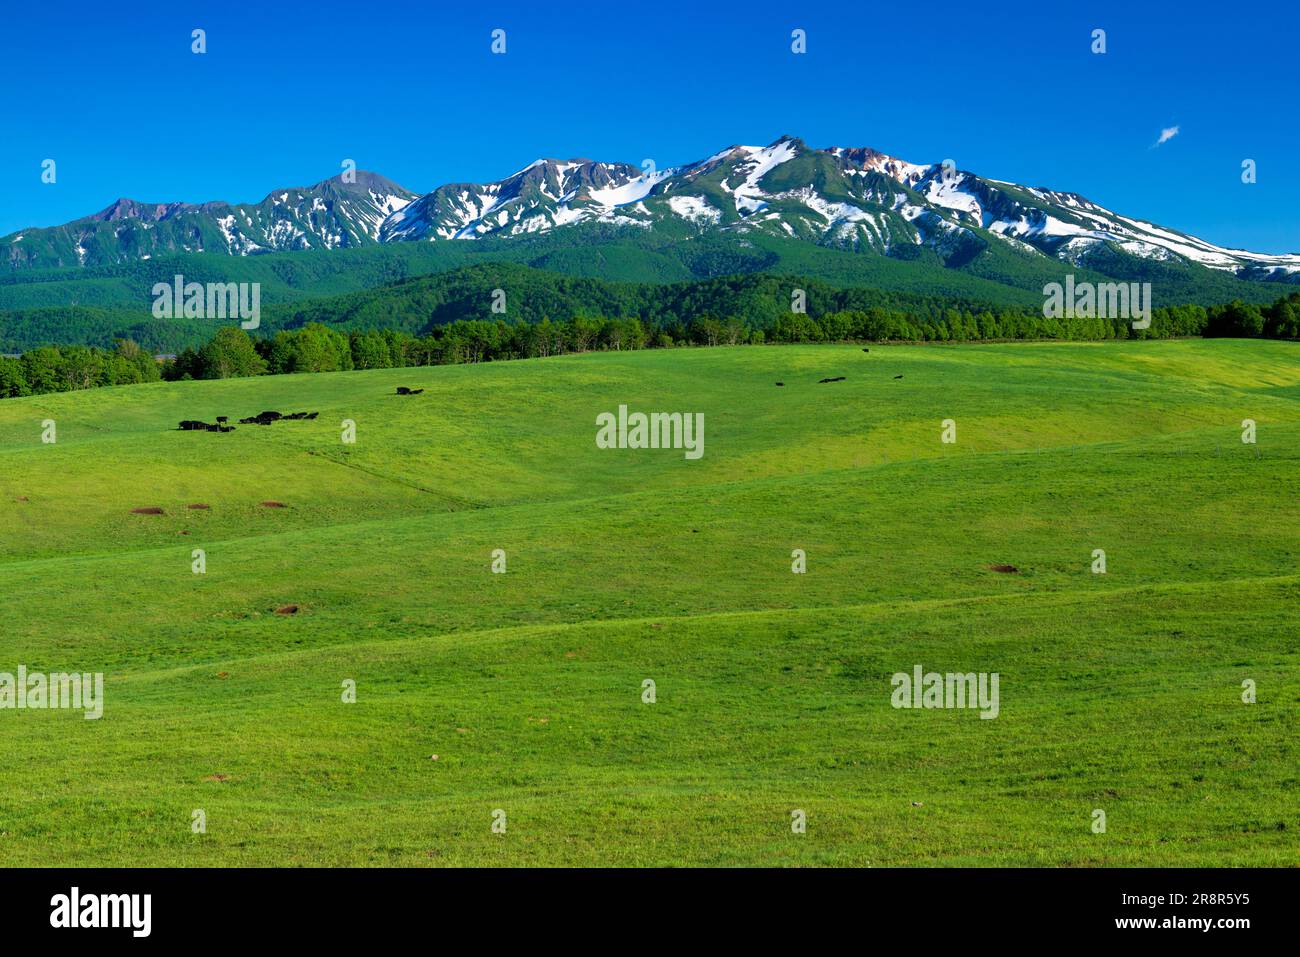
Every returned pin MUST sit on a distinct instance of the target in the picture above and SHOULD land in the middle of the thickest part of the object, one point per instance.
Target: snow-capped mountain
(849, 198)
(542, 195)
(330, 215)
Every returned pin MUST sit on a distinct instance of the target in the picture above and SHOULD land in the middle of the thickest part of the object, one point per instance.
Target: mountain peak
(365, 180)
(125, 208)
(851, 198)
(545, 164)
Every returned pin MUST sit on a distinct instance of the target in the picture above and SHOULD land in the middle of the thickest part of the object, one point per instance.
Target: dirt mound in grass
(151, 510)
(287, 610)
(1005, 569)
(198, 505)
(271, 503)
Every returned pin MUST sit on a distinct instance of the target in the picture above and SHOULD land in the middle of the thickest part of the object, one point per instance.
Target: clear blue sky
(288, 89)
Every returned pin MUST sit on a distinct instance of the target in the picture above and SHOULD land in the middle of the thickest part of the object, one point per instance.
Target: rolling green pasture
(1120, 692)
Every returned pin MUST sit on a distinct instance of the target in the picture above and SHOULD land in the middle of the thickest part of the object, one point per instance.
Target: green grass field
(1120, 692)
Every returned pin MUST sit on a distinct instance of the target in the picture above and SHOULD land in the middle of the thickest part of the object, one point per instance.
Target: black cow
(266, 418)
(193, 425)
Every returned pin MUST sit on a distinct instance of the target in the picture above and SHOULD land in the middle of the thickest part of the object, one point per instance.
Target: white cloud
(1167, 134)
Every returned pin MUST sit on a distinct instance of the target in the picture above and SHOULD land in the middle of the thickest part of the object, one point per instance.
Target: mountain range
(849, 199)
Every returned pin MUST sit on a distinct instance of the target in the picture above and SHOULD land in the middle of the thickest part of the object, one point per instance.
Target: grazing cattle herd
(262, 418)
(266, 418)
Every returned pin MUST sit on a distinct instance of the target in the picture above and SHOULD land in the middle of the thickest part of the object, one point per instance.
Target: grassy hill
(1119, 692)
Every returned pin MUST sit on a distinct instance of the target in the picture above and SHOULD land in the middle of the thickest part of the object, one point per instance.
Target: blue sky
(287, 90)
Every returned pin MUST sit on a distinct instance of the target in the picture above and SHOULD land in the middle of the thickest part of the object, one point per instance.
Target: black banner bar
(337, 906)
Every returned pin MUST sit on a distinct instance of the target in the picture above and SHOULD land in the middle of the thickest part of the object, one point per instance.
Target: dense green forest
(417, 305)
(89, 304)
(308, 345)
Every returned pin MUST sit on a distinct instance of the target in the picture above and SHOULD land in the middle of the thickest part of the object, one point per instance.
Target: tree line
(316, 347)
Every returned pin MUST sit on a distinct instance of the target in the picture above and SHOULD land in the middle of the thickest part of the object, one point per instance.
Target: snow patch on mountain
(632, 191)
(762, 160)
(694, 208)
(950, 192)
